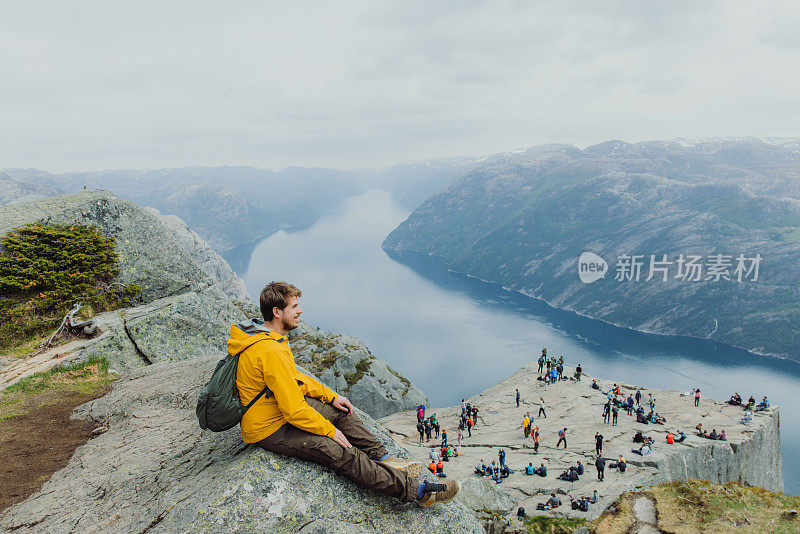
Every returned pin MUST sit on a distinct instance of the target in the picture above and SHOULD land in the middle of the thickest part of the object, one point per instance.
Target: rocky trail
(644, 510)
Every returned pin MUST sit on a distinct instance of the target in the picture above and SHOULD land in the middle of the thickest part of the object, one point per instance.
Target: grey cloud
(150, 84)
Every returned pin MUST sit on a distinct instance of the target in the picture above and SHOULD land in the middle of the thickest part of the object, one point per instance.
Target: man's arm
(316, 389)
(280, 379)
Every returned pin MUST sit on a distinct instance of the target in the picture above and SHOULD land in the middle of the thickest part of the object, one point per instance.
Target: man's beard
(291, 326)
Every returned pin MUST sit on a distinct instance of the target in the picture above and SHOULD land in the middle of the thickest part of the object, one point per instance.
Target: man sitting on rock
(301, 417)
(553, 501)
(620, 464)
(480, 469)
(541, 470)
(735, 400)
(529, 469)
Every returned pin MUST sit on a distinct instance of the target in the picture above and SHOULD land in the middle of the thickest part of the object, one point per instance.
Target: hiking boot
(411, 467)
(440, 492)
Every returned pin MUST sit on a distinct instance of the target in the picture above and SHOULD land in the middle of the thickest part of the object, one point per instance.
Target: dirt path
(35, 445)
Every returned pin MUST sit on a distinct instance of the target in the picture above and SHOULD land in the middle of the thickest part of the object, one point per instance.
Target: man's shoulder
(267, 346)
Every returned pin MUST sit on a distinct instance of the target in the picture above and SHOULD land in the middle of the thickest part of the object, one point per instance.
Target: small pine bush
(45, 269)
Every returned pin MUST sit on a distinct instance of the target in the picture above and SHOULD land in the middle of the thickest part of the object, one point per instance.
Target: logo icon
(591, 267)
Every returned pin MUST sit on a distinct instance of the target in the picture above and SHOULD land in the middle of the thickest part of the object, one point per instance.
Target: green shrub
(45, 269)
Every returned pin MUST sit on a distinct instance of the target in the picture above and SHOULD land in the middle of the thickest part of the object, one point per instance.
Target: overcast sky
(111, 84)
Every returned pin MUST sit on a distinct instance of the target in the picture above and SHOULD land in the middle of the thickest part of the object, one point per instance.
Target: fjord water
(454, 335)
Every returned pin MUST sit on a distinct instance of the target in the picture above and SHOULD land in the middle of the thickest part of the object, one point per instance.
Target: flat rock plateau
(751, 454)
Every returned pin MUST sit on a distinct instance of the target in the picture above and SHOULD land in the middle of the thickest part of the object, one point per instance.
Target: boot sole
(434, 500)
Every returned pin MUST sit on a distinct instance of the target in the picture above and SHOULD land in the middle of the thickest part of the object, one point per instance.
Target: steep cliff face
(755, 461)
(208, 260)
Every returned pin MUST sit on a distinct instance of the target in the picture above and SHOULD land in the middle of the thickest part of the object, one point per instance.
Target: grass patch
(89, 377)
(362, 366)
(542, 524)
(689, 506)
(327, 360)
(402, 379)
(24, 349)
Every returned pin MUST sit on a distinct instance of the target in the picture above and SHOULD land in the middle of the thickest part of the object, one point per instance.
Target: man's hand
(341, 439)
(342, 403)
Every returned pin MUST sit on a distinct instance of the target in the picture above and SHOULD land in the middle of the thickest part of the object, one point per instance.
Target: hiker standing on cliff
(600, 464)
(614, 415)
(562, 436)
(542, 407)
(474, 416)
(697, 397)
(638, 396)
(598, 443)
(541, 363)
(517, 398)
(301, 417)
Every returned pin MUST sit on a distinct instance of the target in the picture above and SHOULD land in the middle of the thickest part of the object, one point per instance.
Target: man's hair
(276, 295)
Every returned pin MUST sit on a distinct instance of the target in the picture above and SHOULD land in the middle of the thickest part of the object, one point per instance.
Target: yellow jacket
(271, 363)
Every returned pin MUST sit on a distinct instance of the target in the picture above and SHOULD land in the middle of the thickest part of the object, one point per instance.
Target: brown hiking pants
(358, 463)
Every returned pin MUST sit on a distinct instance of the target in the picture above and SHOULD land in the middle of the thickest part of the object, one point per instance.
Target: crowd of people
(551, 370)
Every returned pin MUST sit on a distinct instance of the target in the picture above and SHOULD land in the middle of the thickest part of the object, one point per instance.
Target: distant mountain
(229, 206)
(25, 185)
(523, 219)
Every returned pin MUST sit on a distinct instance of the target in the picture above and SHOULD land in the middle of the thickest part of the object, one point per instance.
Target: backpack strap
(266, 388)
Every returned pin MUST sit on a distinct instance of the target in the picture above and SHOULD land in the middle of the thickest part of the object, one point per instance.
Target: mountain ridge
(524, 220)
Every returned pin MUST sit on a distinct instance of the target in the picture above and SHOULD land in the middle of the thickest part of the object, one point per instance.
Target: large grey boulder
(154, 470)
(349, 367)
(169, 329)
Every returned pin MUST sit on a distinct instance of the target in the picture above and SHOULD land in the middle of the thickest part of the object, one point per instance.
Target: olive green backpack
(218, 406)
